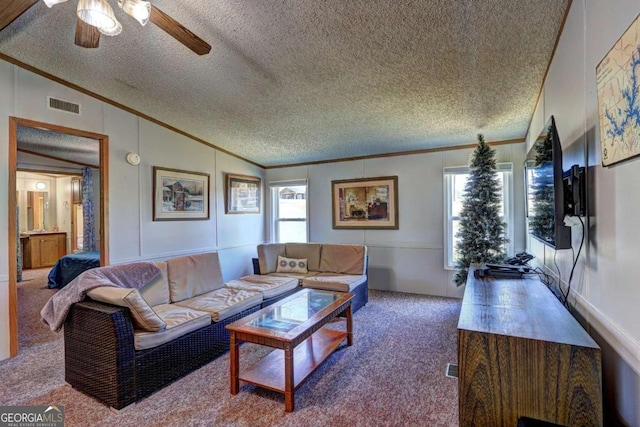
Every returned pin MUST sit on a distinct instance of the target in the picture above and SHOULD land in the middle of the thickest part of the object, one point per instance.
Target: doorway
(103, 141)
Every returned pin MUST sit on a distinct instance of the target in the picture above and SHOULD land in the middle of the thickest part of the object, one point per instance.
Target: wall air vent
(61, 105)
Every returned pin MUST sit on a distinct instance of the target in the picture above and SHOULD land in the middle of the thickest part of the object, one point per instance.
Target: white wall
(63, 207)
(410, 259)
(133, 235)
(605, 287)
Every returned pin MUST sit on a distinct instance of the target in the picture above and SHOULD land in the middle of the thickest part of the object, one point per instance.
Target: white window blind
(289, 211)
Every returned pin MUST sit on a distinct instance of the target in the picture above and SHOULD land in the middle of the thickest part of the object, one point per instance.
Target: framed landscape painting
(367, 203)
(242, 194)
(180, 195)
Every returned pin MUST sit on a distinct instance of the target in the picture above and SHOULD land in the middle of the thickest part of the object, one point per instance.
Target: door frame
(103, 140)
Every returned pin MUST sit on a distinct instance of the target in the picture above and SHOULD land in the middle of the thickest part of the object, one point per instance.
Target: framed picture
(180, 195)
(618, 103)
(242, 194)
(368, 203)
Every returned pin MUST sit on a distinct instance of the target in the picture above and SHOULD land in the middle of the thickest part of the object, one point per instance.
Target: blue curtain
(88, 232)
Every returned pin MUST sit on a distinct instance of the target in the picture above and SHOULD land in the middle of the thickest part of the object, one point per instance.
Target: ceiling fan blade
(179, 32)
(12, 9)
(86, 35)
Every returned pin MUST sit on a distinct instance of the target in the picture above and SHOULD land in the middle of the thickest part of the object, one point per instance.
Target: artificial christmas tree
(481, 234)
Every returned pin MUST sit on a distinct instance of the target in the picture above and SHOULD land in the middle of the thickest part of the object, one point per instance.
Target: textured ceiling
(293, 81)
(77, 149)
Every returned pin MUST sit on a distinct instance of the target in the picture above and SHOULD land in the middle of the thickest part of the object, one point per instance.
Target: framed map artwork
(618, 84)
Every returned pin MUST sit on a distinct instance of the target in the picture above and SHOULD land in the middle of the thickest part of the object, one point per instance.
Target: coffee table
(293, 326)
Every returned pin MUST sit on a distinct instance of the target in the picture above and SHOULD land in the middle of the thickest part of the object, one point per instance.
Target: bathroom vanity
(42, 249)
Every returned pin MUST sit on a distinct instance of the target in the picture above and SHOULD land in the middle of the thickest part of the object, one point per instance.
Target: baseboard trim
(250, 245)
(625, 346)
(403, 245)
(162, 256)
(167, 255)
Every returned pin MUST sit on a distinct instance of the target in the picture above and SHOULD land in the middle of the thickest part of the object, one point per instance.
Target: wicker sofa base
(361, 297)
(100, 359)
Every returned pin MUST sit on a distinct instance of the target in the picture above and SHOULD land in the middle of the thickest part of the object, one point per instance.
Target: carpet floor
(393, 375)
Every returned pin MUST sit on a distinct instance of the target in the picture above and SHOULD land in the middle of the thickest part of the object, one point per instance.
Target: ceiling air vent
(66, 106)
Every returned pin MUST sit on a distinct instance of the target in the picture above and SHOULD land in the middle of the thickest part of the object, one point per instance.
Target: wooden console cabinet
(522, 354)
(43, 249)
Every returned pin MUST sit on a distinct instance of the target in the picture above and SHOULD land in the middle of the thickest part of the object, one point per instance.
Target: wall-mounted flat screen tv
(545, 189)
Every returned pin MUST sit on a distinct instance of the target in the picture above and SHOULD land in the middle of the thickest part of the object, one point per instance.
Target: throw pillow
(142, 314)
(291, 265)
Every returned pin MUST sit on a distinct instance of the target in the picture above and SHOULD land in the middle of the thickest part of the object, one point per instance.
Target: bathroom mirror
(37, 210)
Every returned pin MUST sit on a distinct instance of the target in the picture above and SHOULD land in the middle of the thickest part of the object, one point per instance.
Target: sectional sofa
(328, 266)
(123, 344)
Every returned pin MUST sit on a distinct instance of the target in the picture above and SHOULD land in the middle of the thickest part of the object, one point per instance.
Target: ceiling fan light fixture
(139, 10)
(51, 3)
(111, 31)
(99, 14)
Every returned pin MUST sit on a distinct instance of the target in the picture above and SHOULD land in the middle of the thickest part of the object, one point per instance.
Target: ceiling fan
(96, 17)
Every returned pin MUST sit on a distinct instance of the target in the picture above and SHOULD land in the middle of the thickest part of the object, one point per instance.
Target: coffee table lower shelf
(308, 355)
(298, 351)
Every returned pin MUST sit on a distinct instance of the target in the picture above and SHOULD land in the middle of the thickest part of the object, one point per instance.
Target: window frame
(274, 187)
(506, 168)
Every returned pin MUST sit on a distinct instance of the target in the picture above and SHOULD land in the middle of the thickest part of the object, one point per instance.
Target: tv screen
(545, 189)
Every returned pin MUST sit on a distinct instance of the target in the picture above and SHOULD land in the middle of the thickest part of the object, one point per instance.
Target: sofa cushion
(268, 285)
(156, 292)
(344, 259)
(291, 265)
(223, 302)
(268, 256)
(193, 275)
(143, 316)
(310, 251)
(179, 321)
(334, 282)
(298, 276)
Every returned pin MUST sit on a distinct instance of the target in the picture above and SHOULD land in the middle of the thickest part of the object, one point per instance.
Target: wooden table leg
(234, 360)
(349, 326)
(288, 379)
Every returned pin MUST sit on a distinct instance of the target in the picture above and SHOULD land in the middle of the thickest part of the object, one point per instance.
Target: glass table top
(286, 316)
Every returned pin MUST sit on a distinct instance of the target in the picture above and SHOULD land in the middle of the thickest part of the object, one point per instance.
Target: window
(455, 179)
(289, 210)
